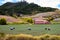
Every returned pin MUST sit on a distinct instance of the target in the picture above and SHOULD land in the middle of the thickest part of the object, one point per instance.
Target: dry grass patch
(30, 37)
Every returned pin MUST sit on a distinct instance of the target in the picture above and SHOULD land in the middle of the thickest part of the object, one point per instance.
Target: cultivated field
(35, 29)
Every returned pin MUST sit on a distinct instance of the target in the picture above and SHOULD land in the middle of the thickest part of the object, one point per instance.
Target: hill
(24, 8)
(10, 19)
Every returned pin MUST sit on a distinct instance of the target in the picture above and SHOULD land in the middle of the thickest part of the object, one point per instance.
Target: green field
(35, 29)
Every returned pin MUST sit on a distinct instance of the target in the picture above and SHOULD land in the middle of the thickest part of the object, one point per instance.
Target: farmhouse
(40, 21)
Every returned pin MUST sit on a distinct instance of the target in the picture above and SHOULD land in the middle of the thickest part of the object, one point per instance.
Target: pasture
(35, 29)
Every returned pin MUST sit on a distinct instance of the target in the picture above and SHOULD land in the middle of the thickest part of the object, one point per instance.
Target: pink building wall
(40, 21)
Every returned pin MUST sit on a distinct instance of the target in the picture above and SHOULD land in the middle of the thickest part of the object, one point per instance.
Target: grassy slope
(10, 19)
(41, 14)
(36, 29)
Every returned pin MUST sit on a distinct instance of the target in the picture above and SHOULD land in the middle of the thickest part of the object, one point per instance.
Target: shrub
(28, 20)
(3, 21)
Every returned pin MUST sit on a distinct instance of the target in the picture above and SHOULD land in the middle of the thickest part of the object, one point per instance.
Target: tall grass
(2, 36)
(30, 37)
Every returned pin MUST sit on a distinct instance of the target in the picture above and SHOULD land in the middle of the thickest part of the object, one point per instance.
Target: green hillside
(24, 7)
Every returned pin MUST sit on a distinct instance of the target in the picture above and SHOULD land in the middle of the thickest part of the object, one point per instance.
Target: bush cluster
(3, 21)
(28, 20)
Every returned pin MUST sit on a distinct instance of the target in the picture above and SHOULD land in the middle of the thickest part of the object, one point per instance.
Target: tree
(3, 21)
(30, 20)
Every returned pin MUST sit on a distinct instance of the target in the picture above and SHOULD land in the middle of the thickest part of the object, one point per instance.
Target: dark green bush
(3, 21)
(29, 20)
